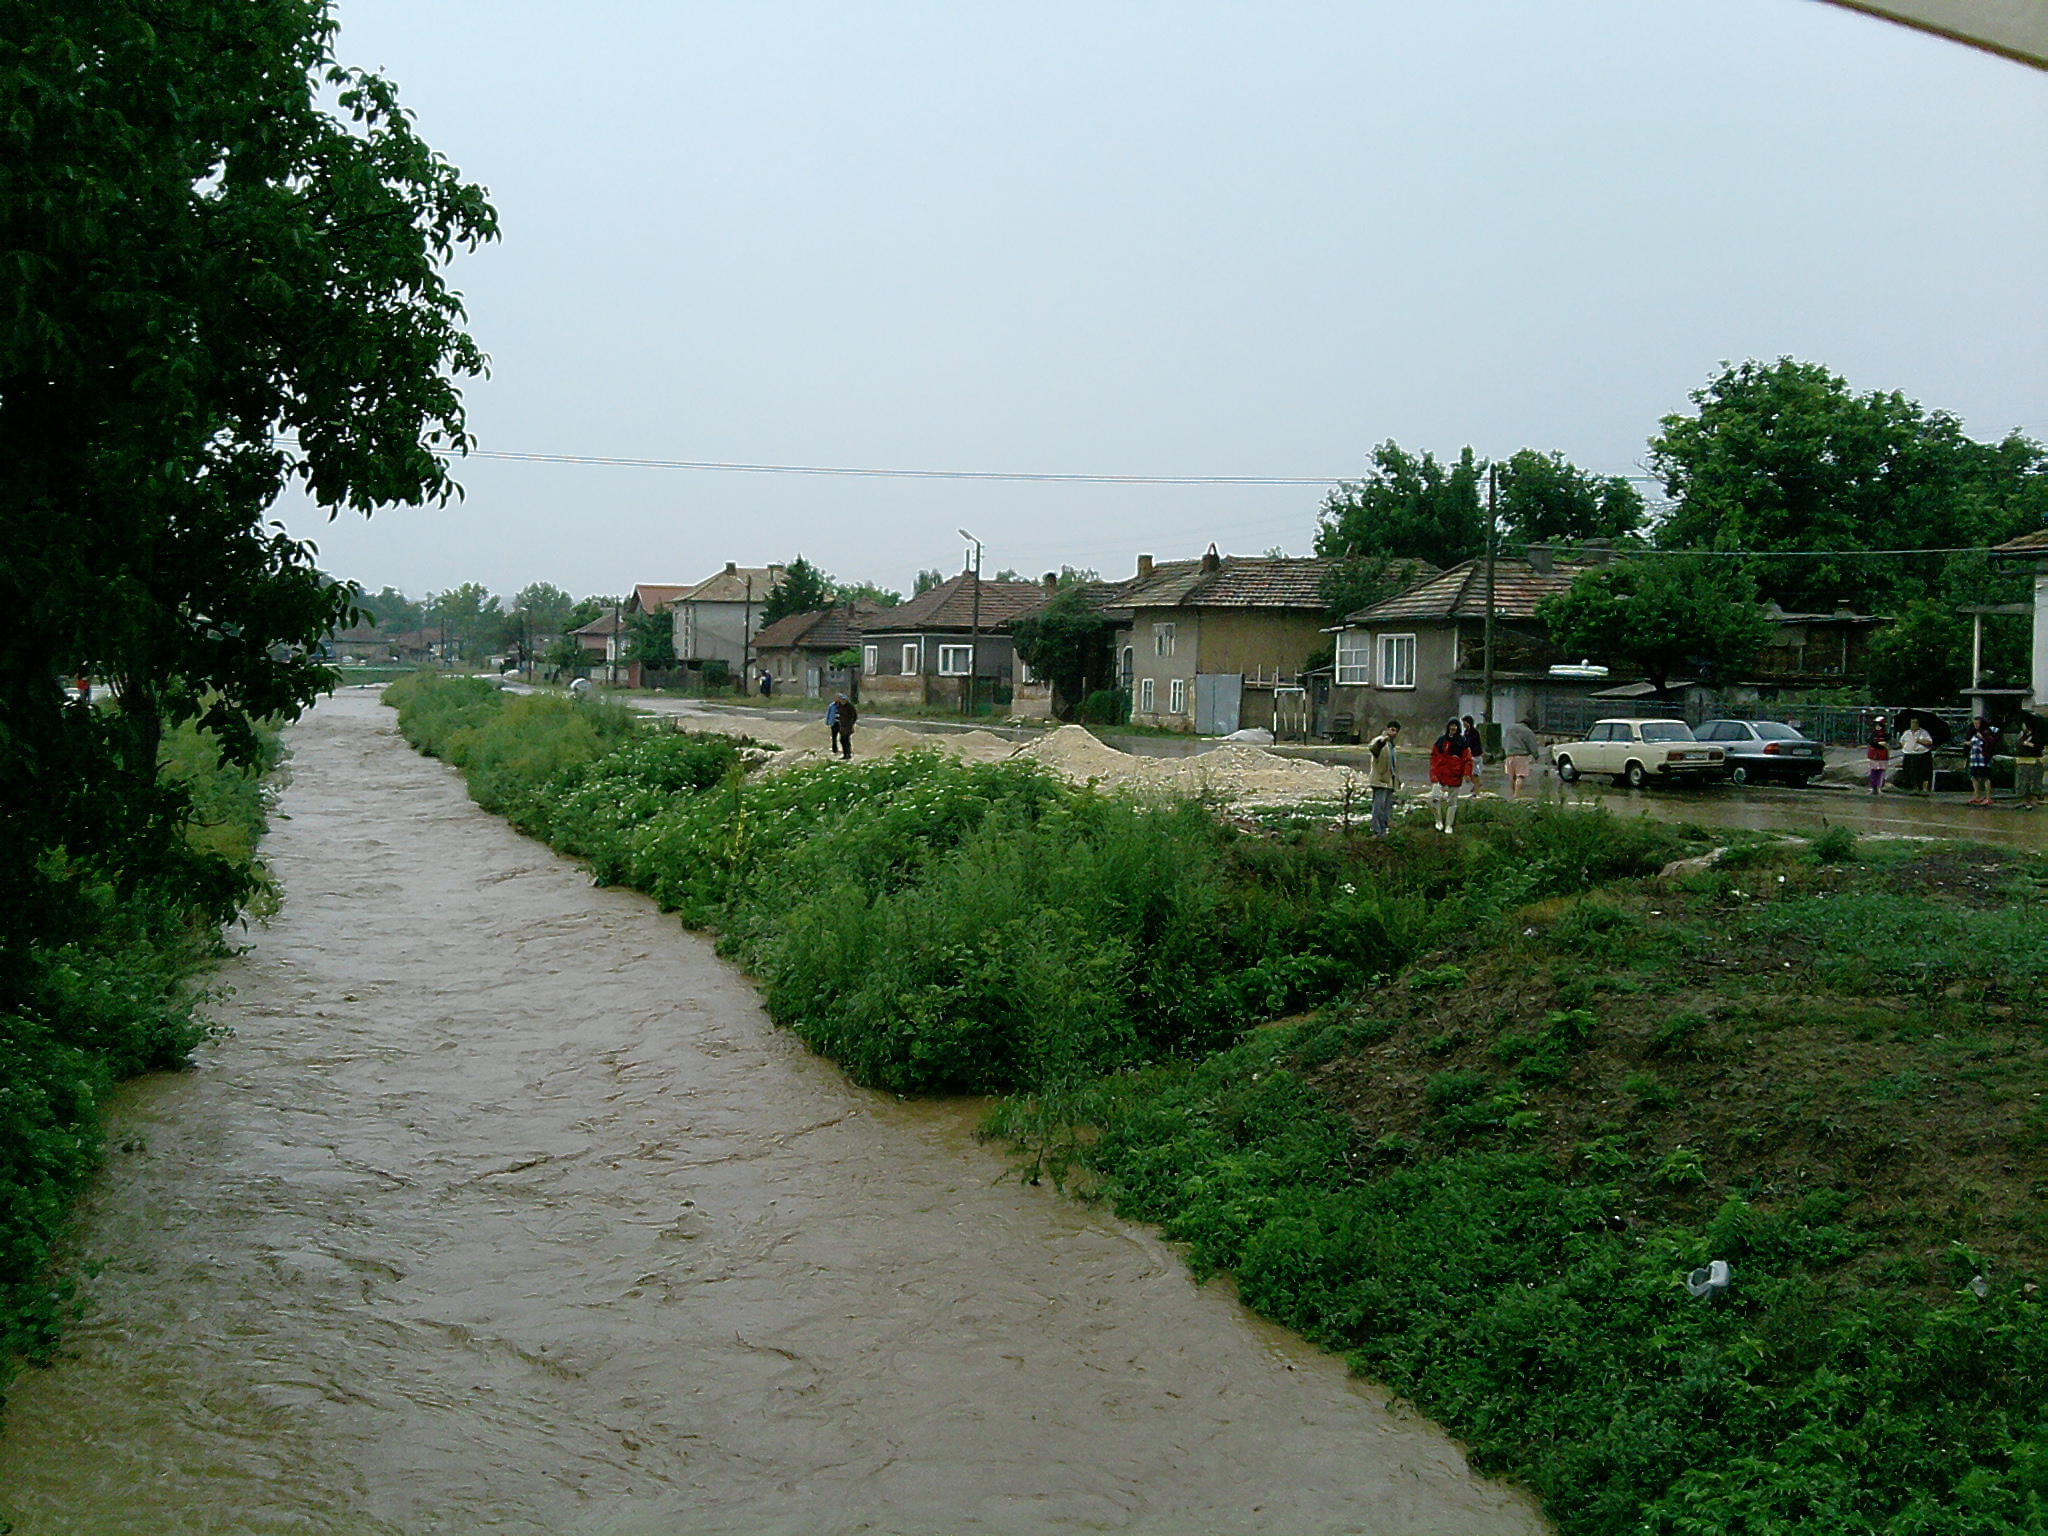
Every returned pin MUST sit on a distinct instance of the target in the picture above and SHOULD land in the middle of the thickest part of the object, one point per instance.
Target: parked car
(1637, 751)
(1759, 750)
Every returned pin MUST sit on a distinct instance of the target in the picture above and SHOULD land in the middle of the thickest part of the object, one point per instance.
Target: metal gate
(1219, 696)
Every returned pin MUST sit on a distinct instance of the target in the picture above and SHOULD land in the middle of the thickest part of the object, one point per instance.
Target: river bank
(504, 1208)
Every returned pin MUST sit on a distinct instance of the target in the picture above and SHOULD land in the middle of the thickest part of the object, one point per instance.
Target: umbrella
(1934, 725)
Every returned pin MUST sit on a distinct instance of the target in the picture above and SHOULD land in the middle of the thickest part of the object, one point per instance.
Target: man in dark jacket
(839, 717)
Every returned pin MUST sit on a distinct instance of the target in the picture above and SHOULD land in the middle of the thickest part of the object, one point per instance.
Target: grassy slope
(1487, 1181)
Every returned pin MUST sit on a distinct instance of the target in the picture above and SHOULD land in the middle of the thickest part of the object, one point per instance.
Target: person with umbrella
(1916, 746)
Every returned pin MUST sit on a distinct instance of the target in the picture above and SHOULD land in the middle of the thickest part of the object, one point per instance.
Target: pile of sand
(1078, 756)
(1246, 775)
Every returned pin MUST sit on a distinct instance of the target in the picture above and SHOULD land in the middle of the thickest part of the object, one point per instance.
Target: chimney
(1211, 561)
(1052, 582)
(1540, 560)
(1144, 566)
(1599, 551)
(731, 566)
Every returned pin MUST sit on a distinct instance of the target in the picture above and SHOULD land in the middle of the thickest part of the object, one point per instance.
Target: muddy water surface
(504, 1209)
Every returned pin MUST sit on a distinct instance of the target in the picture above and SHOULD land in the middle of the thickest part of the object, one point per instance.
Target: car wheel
(1738, 775)
(1567, 770)
(1635, 776)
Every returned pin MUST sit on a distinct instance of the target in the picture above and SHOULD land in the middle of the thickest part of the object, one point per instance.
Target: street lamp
(974, 633)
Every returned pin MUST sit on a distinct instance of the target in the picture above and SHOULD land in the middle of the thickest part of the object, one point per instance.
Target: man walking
(1382, 776)
(839, 717)
(1518, 745)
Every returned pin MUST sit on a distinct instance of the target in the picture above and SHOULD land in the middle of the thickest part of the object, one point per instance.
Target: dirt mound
(1246, 775)
(1076, 754)
(975, 746)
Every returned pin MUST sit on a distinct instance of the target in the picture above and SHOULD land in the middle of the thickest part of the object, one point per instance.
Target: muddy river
(499, 1206)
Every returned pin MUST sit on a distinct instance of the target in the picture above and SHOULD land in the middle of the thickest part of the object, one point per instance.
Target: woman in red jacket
(1450, 765)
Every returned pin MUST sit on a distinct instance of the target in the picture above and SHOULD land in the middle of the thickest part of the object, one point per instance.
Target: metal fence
(1836, 725)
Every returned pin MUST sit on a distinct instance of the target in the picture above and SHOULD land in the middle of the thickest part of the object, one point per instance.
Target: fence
(1836, 725)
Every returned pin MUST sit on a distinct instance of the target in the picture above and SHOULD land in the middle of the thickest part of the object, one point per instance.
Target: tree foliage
(216, 286)
(1545, 498)
(1408, 508)
(392, 611)
(1064, 640)
(468, 615)
(803, 589)
(1783, 456)
(1668, 615)
(651, 638)
(926, 580)
(865, 592)
(1359, 581)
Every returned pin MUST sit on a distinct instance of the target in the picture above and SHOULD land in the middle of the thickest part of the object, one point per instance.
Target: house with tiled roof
(1419, 656)
(925, 651)
(717, 619)
(797, 650)
(2033, 549)
(1217, 644)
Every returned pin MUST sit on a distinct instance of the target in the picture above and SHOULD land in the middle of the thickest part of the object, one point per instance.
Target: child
(1880, 755)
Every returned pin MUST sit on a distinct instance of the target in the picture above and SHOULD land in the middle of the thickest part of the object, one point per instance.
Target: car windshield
(1770, 730)
(1665, 730)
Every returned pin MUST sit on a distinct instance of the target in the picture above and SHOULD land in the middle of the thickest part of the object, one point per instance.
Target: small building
(1420, 656)
(797, 650)
(1216, 645)
(2032, 548)
(924, 652)
(603, 642)
(717, 619)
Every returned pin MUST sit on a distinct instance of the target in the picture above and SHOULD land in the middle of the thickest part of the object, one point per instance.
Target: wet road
(504, 1209)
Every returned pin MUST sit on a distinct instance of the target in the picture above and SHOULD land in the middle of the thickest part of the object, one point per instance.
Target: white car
(1637, 751)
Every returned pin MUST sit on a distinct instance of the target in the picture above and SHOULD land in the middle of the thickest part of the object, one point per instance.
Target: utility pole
(747, 643)
(974, 632)
(1492, 513)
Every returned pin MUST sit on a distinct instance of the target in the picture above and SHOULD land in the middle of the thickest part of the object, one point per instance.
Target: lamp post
(974, 631)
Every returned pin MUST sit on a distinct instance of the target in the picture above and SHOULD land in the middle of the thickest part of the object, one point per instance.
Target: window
(1130, 666)
(871, 659)
(1144, 695)
(955, 660)
(1397, 661)
(1664, 730)
(913, 662)
(1354, 659)
(1162, 639)
(1177, 696)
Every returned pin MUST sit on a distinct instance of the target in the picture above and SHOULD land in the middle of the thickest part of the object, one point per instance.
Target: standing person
(1879, 756)
(1450, 764)
(1916, 745)
(1980, 762)
(832, 723)
(840, 717)
(767, 682)
(2026, 763)
(1476, 745)
(1518, 744)
(1383, 776)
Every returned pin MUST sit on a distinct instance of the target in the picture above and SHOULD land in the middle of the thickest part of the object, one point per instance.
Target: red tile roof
(950, 605)
(822, 629)
(1460, 592)
(731, 585)
(1235, 581)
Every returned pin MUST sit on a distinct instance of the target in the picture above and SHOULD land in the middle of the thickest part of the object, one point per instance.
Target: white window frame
(1164, 639)
(913, 657)
(1357, 672)
(955, 660)
(870, 659)
(1177, 696)
(1144, 695)
(1130, 666)
(1391, 650)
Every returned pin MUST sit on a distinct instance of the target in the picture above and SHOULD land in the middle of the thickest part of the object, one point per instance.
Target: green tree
(1922, 656)
(1666, 615)
(651, 639)
(1783, 456)
(1408, 508)
(803, 589)
(392, 611)
(589, 610)
(926, 580)
(1359, 581)
(223, 276)
(538, 614)
(1064, 640)
(468, 615)
(1545, 498)
(864, 592)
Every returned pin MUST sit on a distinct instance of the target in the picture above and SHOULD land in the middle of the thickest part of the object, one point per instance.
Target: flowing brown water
(505, 1209)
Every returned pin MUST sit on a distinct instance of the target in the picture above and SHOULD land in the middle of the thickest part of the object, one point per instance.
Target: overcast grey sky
(1167, 239)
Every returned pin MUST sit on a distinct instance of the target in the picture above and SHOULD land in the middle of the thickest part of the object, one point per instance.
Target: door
(811, 682)
(1219, 697)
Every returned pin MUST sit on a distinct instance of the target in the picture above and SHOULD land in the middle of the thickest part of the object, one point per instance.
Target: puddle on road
(504, 1209)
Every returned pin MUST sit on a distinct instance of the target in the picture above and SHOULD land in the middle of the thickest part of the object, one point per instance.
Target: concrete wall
(1162, 671)
(716, 631)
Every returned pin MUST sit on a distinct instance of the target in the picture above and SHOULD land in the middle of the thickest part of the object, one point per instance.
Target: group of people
(1916, 759)
(1454, 759)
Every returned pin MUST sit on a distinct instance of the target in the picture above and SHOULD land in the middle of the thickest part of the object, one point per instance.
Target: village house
(1218, 644)
(924, 651)
(2032, 548)
(604, 644)
(718, 618)
(797, 650)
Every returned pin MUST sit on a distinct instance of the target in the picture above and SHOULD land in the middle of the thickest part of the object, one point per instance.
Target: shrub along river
(500, 1206)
